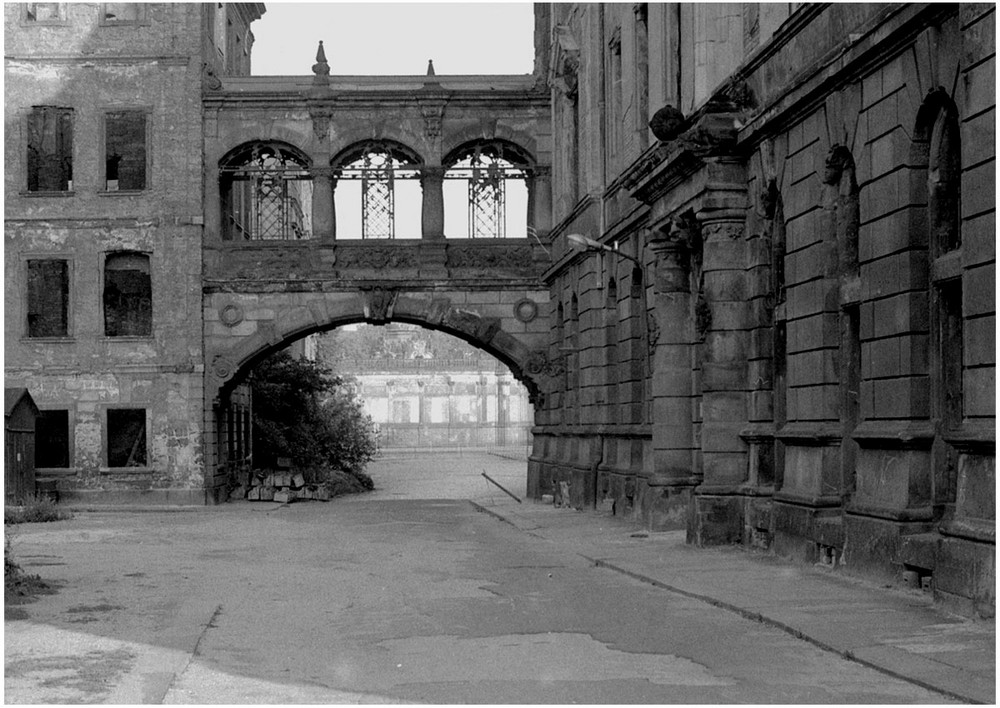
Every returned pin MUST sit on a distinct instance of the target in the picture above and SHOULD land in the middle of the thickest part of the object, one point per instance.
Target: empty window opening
(128, 296)
(50, 149)
(944, 181)
(48, 298)
(266, 194)
(125, 151)
(42, 12)
(52, 439)
(126, 437)
(122, 12)
(491, 187)
(383, 180)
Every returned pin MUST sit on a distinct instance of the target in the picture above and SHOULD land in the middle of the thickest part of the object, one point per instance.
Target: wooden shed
(20, 413)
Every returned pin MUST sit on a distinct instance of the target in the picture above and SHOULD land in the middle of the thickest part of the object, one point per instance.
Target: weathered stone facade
(805, 360)
(136, 388)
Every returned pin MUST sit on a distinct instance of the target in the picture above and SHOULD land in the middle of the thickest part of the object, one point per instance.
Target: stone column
(432, 214)
(722, 320)
(323, 226)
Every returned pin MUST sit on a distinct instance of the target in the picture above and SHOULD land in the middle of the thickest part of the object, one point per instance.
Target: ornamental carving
(433, 115)
(231, 315)
(481, 328)
(321, 124)
(378, 304)
(477, 257)
(376, 257)
(539, 364)
(223, 367)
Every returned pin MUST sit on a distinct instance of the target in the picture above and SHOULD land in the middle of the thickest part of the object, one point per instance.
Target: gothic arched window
(266, 193)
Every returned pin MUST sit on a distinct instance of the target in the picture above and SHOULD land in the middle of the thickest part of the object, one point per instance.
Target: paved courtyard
(420, 596)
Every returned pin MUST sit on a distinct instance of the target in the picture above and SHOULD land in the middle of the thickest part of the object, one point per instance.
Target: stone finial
(321, 68)
(430, 67)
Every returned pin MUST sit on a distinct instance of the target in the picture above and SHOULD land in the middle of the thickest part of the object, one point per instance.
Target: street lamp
(589, 244)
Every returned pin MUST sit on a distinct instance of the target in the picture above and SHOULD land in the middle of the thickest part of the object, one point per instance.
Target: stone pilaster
(540, 201)
(721, 318)
(666, 499)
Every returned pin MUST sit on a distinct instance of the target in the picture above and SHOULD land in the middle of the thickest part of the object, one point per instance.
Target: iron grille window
(50, 149)
(125, 151)
(378, 169)
(48, 298)
(127, 437)
(489, 177)
(128, 296)
(52, 439)
(267, 195)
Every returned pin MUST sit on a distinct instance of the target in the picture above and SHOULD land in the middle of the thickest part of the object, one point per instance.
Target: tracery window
(266, 193)
(382, 177)
(492, 180)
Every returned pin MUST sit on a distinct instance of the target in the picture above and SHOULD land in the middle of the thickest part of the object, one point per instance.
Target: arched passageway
(510, 326)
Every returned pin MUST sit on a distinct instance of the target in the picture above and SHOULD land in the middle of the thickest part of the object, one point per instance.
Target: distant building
(425, 396)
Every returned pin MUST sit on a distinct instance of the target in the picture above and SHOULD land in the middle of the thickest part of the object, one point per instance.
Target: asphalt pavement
(439, 587)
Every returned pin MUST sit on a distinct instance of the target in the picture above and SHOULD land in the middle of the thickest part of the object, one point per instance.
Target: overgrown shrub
(303, 411)
(16, 583)
(38, 509)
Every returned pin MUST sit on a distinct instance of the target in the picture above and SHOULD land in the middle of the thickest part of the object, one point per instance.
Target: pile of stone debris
(282, 487)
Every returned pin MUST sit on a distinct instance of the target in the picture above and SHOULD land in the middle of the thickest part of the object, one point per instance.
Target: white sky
(395, 37)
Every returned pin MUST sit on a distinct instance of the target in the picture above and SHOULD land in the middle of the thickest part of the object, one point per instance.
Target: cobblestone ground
(452, 475)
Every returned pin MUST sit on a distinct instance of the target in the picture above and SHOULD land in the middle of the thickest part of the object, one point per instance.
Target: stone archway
(243, 328)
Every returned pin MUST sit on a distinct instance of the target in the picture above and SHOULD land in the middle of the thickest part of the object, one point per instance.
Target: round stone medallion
(231, 315)
(525, 310)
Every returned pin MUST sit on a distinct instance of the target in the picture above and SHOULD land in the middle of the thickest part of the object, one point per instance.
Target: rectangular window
(52, 439)
(42, 12)
(128, 296)
(131, 13)
(125, 151)
(127, 437)
(50, 149)
(48, 298)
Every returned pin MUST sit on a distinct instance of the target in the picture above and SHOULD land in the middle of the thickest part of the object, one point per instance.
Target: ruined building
(788, 342)
(750, 290)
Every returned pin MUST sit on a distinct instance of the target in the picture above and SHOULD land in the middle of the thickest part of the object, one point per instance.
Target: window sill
(130, 338)
(125, 470)
(37, 195)
(50, 340)
(56, 472)
(121, 192)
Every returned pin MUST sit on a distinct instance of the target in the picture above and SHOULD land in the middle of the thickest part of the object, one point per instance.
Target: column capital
(432, 172)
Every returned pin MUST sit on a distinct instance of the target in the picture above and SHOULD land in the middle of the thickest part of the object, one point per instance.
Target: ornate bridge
(418, 199)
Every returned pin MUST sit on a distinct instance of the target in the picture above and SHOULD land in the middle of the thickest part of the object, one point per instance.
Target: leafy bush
(38, 509)
(306, 413)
